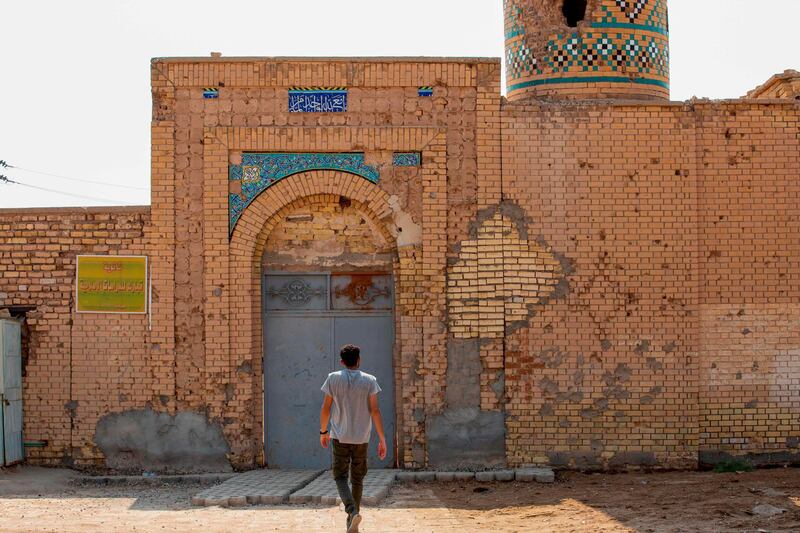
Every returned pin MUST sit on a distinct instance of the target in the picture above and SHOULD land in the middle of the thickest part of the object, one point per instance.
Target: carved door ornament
(296, 293)
(362, 291)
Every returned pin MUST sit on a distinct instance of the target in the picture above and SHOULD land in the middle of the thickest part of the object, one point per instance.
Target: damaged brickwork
(500, 276)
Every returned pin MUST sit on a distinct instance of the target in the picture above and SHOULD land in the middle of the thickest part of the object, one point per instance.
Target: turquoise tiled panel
(258, 172)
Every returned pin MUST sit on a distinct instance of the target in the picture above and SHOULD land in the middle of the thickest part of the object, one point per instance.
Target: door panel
(307, 318)
(362, 292)
(12, 392)
(374, 335)
(2, 397)
(297, 361)
(2, 432)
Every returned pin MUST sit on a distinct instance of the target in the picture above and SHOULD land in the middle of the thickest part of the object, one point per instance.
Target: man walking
(353, 395)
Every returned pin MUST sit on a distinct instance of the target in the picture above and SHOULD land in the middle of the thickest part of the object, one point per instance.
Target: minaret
(587, 49)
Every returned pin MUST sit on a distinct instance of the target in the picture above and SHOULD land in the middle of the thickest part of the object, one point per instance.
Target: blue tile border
(407, 159)
(628, 27)
(258, 172)
(589, 79)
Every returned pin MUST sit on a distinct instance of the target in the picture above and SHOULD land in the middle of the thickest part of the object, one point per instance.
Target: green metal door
(11, 392)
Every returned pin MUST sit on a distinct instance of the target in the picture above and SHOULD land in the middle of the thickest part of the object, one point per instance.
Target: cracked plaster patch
(408, 232)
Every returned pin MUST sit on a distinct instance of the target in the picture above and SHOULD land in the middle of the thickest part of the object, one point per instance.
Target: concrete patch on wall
(635, 459)
(466, 438)
(581, 460)
(711, 458)
(144, 440)
(463, 436)
(463, 373)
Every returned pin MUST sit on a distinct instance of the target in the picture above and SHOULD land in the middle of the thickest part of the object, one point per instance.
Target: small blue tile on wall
(407, 159)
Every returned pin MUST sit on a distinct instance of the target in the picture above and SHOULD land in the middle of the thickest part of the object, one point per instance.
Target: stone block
(540, 475)
(504, 475)
(425, 477)
(407, 477)
(215, 501)
(484, 477)
(237, 501)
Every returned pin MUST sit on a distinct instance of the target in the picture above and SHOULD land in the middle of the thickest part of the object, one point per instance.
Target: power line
(6, 179)
(5, 164)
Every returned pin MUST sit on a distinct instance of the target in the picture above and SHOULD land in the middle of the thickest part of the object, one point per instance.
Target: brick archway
(246, 251)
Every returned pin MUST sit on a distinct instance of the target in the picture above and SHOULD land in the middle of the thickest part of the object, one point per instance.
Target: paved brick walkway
(256, 487)
(323, 490)
(315, 486)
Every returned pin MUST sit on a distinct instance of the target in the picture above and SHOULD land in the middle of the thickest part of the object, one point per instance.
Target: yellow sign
(111, 284)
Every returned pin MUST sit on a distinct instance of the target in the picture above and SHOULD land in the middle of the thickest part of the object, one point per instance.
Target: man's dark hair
(350, 354)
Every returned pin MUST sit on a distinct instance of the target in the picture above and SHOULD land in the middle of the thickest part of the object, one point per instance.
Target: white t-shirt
(351, 422)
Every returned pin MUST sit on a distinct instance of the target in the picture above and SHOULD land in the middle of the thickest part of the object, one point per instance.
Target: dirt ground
(34, 499)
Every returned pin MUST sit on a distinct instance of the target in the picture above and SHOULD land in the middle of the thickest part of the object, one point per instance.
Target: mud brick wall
(425, 210)
(606, 372)
(676, 226)
(327, 233)
(749, 317)
(79, 366)
(780, 86)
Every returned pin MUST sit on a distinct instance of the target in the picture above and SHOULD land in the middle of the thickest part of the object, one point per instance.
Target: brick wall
(784, 85)
(79, 366)
(679, 224)
(749, 163)
(385, 114)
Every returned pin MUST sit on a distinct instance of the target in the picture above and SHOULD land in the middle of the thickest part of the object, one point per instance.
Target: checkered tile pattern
(520, 60)
(632, 8)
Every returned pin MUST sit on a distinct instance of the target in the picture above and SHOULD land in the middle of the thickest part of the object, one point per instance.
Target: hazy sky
(75, 96)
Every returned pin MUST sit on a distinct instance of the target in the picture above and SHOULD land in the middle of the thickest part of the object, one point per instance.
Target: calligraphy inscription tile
(318, 100)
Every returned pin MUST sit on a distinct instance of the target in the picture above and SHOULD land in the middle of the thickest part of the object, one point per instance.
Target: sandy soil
(33, 499)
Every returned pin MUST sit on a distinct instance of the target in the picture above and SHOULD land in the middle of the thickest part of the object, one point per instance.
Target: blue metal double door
(307, 319)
